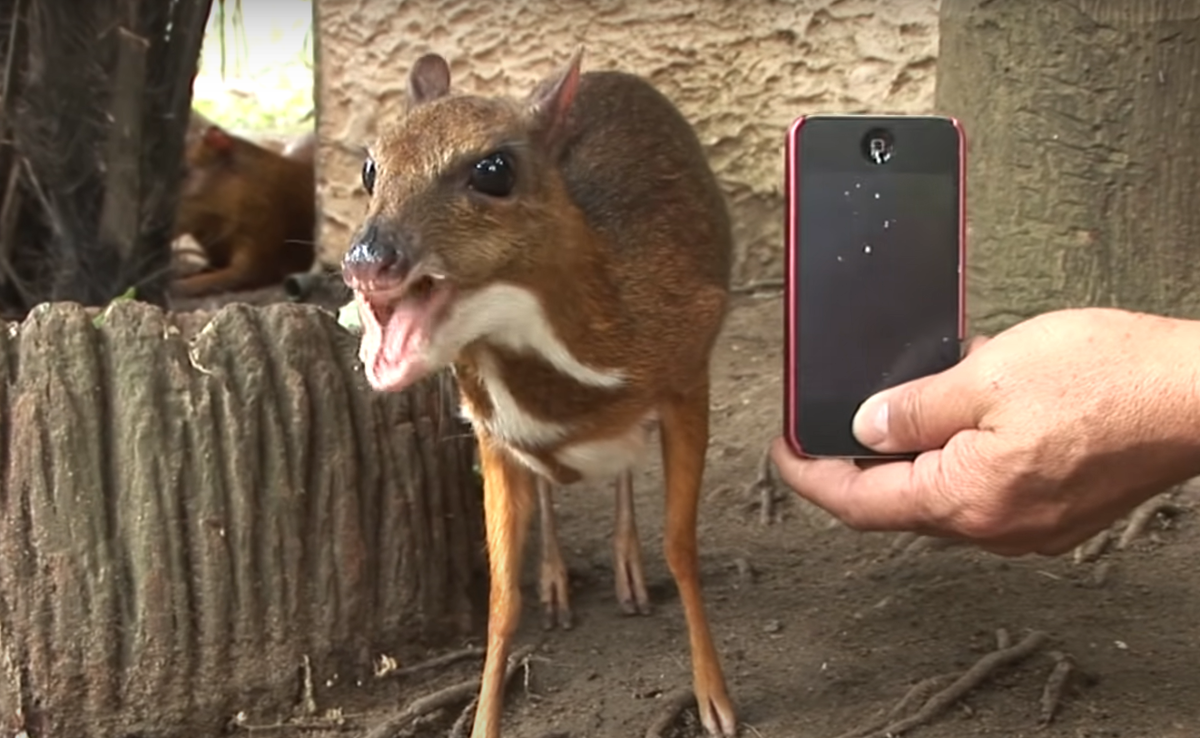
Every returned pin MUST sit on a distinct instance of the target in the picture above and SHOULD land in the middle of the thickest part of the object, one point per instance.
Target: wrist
(1174, 353)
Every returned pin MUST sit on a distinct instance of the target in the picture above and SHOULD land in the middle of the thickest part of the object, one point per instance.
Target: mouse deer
(568, 255)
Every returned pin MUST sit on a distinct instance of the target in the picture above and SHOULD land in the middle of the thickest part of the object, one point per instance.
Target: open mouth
(398, 322)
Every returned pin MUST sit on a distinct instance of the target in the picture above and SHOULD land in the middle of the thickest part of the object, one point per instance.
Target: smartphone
(875, 261)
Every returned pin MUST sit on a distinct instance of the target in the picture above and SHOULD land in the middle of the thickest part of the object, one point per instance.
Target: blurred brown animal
(251, 210)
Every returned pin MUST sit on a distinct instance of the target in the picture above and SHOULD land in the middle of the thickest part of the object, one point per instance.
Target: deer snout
(377, 258)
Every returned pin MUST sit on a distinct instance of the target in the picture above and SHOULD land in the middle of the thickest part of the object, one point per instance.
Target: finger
(879, 498)
(922, 414)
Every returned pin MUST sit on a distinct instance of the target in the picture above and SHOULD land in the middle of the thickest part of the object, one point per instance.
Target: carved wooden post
(184, 519)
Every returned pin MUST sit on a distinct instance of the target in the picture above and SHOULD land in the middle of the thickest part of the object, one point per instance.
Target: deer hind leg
(552, 575)
(627, 552)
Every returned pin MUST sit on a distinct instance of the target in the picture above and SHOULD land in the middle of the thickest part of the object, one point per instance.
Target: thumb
(919, 415)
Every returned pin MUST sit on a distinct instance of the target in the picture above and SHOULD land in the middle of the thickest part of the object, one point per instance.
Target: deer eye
(368, 175)
(493, 175)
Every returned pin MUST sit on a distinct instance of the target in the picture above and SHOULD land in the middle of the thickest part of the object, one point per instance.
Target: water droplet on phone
(866, 248)
(876, 195)
(945, 339)
(887, 224)
(857, 185)
(846, 193)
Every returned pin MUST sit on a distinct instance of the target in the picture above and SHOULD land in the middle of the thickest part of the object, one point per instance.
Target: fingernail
(871, 421)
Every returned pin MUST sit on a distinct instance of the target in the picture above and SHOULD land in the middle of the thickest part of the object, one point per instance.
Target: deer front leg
(507, 503)
(684, 423)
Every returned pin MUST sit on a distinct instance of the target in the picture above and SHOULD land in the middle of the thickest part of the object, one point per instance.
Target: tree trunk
(184, 519)
(1083, 124)
(94, 102)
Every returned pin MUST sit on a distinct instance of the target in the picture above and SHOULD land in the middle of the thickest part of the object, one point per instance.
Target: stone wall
(740, 72)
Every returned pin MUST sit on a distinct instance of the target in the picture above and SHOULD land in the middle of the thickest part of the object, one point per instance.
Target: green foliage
(274, 95)
(348, 317)
(128, 294)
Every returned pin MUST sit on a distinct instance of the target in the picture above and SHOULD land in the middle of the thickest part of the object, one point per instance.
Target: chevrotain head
(209, 162)
(464, 195)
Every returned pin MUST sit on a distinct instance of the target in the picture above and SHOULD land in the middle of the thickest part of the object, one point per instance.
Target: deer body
(569, 256)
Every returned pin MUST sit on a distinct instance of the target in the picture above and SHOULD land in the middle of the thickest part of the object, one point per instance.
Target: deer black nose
(374, 255)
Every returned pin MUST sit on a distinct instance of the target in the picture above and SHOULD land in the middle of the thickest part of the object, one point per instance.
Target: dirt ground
(822, 629)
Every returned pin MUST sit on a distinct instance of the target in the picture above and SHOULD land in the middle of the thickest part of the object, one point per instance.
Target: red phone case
(791, 407)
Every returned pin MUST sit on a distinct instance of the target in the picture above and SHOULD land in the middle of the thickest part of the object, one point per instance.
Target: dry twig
(437, 662)
(443, 698)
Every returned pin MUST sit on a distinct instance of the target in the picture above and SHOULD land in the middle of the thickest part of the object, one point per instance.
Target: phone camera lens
(878, 146)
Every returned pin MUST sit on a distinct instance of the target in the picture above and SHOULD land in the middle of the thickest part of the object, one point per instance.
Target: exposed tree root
(674, 705)
(1094, 547)
(444, 698)
(462, 726)
(293, 726)
(1160, 507)
(905, 545)
(763, 486)
(935, 699)
(386, 669)
(1056, 686)
(758, 286)
(902, 541)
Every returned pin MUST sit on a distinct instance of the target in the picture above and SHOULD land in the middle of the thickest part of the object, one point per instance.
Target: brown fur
(252, 211)
(617, 225)
(303, 149)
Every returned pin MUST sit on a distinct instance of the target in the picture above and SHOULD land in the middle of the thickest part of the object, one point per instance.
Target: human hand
(1038, 439)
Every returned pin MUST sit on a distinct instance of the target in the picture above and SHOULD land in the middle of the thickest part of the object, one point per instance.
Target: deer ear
(551, 100)
(217, 139)
(428, 80)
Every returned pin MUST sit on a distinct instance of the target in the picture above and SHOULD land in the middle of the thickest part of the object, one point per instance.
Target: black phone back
(875, 252)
